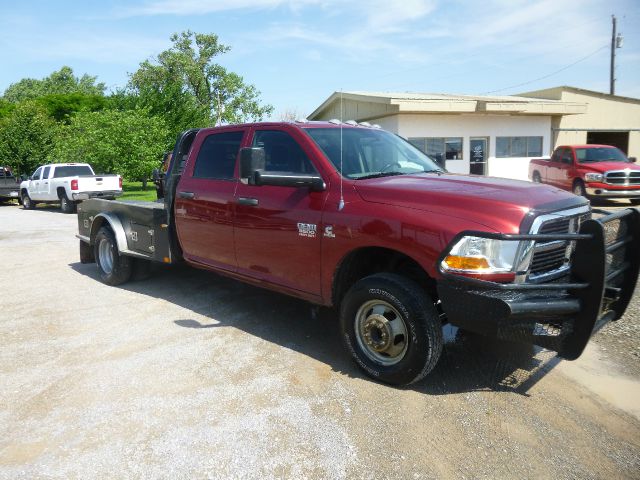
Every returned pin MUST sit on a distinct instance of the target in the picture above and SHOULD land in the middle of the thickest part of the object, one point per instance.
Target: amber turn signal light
(456, 262)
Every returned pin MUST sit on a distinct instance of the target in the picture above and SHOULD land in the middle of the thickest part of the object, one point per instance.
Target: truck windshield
(72, 171)
(368, 153)
(600, 154)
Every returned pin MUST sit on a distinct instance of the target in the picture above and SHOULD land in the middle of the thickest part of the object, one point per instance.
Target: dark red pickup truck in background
(353, 217)
(593, 171)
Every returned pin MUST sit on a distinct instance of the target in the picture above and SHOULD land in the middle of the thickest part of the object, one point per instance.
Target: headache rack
(561, 314)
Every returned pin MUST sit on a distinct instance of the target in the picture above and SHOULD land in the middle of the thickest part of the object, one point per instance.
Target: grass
(134, 191)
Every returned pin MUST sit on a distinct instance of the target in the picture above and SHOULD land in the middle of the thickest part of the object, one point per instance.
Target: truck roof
(591, 145)
(334, 123)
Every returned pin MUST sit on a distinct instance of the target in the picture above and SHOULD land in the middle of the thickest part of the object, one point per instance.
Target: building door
(478, 147)
(616, 139)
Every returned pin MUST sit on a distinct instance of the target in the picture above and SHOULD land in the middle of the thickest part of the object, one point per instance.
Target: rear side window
(71, 171)
(217, 156)
(282, 152)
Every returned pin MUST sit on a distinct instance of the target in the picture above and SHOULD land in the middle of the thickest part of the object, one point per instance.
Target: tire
(635, 201)
(66, 205)
(536, 178)
(578, 189)
(27, 203)
(114, 268)
(387, 305)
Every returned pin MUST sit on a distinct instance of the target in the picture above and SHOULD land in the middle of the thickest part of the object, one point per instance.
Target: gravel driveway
(191, 375)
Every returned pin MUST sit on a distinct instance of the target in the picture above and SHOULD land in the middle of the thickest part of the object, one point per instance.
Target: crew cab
(593, 171)
(353, 217)
(9, 184)
(67, 183)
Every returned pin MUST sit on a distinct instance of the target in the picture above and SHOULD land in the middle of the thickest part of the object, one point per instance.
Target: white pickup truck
(67, 183)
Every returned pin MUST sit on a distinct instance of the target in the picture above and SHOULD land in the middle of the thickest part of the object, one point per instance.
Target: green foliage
(61, 106)
(5, 109)
(136, 191)
(186, 82)
(61, 82)
(27, 136)
(130, 142)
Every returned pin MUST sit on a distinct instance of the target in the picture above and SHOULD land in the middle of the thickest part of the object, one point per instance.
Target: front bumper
(558, 316)
(607, 192)
(103, 194)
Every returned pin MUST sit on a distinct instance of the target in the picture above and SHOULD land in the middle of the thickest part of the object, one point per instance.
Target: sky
(298, 52)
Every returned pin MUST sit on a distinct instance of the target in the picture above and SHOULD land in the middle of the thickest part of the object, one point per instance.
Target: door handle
(186, 195)
(251, 202)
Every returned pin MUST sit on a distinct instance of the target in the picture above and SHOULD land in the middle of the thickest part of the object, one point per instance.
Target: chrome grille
(552, 258)
(623, 177)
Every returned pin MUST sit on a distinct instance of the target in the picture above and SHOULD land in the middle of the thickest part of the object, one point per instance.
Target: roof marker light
(335, 121)
(353, 123)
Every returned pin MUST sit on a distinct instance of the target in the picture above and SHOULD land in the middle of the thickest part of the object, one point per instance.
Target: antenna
(341, 203)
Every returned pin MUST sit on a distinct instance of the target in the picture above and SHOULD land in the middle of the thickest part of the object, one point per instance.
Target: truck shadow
(469, 362)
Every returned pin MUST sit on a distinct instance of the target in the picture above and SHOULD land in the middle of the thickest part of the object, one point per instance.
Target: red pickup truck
(353, 217)
(593, 171)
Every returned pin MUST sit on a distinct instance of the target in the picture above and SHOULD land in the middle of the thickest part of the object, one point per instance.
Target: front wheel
(391, 328)
(114, 268)
(27, 203)
(578, 189)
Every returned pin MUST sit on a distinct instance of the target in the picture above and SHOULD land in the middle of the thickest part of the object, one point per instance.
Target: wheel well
(97, 224)
(367, 261)
(60, 191)
(23, 192)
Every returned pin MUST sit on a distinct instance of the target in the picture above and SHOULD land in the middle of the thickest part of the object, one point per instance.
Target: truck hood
(497, 203)
(602, 167)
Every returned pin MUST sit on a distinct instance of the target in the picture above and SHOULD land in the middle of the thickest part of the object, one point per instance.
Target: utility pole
(616, 42)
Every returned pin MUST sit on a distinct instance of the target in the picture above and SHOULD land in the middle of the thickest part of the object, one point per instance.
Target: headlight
(593, 177)
(486, 256)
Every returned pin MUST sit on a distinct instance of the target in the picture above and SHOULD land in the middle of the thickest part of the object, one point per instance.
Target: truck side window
(45, 174)
(36, 174)
(567, 156)
(217, 156)
(557, 155)
(282, 152)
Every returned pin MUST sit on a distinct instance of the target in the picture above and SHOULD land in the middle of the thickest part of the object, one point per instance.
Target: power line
(550, 74)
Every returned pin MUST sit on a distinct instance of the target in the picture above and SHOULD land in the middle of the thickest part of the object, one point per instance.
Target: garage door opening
(617, 139)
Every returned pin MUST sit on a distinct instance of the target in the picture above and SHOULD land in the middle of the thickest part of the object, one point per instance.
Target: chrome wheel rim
(577, 190)
(381, 332)
(105, 256)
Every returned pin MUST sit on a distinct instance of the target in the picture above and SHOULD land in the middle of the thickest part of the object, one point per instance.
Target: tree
(62, 106)
(186, 76)
(27, 137)
(129, 142)
(61, 82)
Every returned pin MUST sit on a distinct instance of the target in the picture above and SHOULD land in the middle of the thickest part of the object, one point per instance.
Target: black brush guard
(560, 315)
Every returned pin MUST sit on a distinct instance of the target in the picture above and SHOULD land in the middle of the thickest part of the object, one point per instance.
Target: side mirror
(633, 159)
(252, 159)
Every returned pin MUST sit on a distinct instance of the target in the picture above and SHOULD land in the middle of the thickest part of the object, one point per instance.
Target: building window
(518, 147)
(446, 148)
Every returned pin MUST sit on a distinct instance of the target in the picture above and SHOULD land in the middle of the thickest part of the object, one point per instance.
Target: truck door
(565, 170)
(204, 200)
(277, 229)
(33, 187)
(553, 167)
(44, 191)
